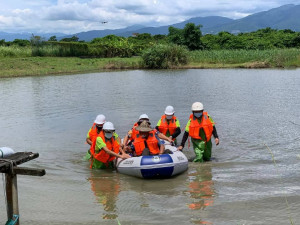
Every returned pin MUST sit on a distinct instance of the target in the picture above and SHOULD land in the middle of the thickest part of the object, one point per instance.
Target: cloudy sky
(73, 16)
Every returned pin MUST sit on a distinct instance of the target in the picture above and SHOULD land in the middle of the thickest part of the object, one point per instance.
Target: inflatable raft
(156, 166)
(6, 151)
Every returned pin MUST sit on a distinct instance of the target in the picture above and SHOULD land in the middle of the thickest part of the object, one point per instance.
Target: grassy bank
(11, 64)
(27, 66)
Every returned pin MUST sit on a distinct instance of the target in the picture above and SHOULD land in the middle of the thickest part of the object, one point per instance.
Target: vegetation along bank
(181, 48)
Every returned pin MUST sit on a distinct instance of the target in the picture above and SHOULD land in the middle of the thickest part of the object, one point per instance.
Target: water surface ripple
(253, 110)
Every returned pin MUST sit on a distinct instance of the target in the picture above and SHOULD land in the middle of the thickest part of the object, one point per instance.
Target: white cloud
(72, 16)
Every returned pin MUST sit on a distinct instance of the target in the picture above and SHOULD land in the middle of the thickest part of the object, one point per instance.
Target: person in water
(106, 147)
(93, 132)
(131, 135)
(168, 124)
(200, 127)
(147, 141)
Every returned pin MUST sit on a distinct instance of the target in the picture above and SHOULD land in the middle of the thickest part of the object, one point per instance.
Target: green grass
(17, 61)
(15, 51)
(27, 66)
(248, 58)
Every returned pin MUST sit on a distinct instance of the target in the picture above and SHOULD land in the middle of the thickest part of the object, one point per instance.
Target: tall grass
(274, 57)
(14, 51)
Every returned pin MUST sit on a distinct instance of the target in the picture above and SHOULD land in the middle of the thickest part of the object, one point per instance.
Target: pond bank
(36, 66)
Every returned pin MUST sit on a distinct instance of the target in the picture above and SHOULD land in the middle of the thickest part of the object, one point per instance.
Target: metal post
(12, 196)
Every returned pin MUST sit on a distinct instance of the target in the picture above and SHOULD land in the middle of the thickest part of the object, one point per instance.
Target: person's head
(108, 129)
(197, 109)
(169, 112)
(144, 129)
(99, 121)
(142, 118)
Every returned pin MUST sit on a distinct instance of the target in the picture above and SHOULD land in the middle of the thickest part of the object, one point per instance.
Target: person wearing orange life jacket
(131, 135)
(200, 128)
(168, 124)
(147, 141)
(105, 148)
(128, 139)
(93, 132)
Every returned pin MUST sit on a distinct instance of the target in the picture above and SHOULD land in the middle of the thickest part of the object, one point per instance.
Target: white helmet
(169, 110)
(143, 116)
(197, 106)
(100, 119)
(108, 126)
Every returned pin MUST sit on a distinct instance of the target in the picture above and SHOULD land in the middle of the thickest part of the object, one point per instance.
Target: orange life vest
(152, 142)
(111, 144)
(134, 132)
(93, 132)
(205, 124)
(165, 126)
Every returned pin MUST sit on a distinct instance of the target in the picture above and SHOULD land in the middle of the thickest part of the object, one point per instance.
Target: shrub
(165, 56)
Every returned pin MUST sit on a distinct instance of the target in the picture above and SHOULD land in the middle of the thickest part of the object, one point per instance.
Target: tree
(71, 39)
(21, 42)
(176, 35)
(2, 42)
(36, 41)
(192, 35)
(52, 38)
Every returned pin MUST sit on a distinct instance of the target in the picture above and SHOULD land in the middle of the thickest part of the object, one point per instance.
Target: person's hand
(180, 148)
(217, 141)
(170, 139)
(125, 156)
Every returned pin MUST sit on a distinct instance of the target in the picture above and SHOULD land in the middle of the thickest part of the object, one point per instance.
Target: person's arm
(164, 137)
(176, 133)
(123, 156)
(184, 138)
(88, 140)
(215, 134)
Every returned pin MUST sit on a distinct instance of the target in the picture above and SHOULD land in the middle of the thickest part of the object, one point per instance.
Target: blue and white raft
(157, 166)
(6, 151)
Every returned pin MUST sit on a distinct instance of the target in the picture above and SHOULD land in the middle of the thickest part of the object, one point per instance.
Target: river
(257, 118)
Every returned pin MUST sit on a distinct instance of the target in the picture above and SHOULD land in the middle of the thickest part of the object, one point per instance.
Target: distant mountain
(90, 35)
(284, 17)
(13, 36)
(206, 22)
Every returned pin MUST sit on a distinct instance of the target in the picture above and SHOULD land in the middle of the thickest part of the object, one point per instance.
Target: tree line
(190, 37)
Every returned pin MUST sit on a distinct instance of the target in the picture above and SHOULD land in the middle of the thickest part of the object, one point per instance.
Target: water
(253, 110)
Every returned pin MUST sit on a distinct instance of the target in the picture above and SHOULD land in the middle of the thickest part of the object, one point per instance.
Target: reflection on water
(106, 188)
(200, 188)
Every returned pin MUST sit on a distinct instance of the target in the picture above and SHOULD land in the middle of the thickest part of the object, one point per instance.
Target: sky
(74, 16)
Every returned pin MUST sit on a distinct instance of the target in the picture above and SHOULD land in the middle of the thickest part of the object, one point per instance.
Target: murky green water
(242, 185)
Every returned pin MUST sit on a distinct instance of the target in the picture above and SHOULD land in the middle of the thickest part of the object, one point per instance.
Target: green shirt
(101, 144)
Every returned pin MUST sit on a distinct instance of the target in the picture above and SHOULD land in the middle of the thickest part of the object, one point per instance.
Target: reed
(14, 51)
(270, 58)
